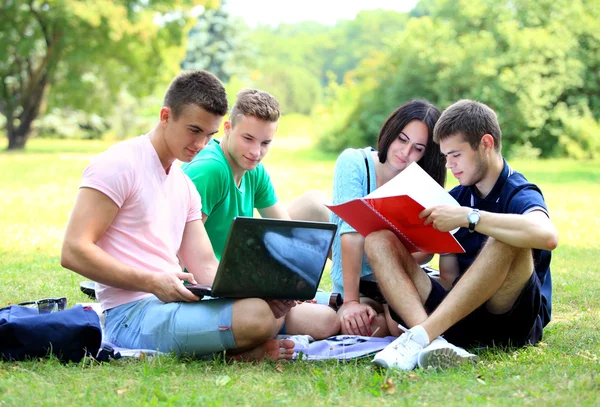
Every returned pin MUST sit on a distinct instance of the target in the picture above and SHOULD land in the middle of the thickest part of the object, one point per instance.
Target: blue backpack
(69, 335)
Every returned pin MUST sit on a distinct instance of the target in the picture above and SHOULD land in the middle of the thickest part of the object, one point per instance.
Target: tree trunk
(31, 103)
(18, 137)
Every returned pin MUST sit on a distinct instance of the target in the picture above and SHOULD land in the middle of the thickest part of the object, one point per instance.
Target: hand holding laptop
(199, 290)
(279, 307)
(169, 286)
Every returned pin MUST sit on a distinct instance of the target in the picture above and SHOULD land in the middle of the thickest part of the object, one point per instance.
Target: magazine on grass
(396, 206)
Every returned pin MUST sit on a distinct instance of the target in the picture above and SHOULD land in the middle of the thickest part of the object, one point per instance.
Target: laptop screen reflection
(272, 258)
(302, 251)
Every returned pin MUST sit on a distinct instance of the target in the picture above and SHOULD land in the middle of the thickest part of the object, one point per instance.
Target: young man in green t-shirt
(232, 182)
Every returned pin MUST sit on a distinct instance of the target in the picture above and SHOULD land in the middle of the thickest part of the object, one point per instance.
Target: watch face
(473, 217)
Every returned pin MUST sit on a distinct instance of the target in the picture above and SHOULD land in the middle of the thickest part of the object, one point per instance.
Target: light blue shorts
(185, 328)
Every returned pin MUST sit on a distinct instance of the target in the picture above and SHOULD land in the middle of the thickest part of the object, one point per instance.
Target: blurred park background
(97, 69)
(78, 75)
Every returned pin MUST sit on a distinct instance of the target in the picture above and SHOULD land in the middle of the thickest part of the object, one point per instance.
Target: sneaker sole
(381, 363)
(445, 358)
(384, 364)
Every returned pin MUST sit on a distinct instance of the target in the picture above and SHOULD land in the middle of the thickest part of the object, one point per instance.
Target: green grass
(37, 189)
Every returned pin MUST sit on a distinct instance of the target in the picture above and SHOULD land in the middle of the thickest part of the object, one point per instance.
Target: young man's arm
(531, 230)
(276, 211)
(92, 214)
(197, 253)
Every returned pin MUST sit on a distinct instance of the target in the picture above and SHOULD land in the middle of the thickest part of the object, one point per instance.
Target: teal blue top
(349, 182)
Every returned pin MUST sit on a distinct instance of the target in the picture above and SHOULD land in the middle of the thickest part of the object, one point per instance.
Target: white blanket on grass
(340, 347)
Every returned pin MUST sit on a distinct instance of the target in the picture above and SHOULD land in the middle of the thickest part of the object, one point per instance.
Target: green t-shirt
(222, 199)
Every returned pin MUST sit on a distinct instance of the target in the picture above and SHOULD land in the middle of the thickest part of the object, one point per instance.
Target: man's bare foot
(272, 349)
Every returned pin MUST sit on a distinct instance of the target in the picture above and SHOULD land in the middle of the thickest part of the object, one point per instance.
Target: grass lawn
(37, 190)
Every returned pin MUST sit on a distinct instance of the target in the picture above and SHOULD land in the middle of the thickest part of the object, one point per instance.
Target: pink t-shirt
(153, 209)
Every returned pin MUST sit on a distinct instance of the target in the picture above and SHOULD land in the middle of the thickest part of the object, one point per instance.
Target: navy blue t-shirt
(512, 193)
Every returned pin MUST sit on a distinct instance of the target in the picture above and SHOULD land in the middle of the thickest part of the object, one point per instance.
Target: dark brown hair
(470, 119)
(433, 162)
(200, 88)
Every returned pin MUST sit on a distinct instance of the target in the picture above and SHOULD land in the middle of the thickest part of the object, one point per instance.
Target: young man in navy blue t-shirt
(496, 293)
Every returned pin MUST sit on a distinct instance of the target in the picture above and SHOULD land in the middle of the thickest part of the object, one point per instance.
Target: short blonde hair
(257, 103)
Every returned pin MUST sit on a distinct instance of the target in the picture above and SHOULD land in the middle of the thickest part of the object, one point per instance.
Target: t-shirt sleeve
(349, 181)
(527, 199)
(195, 211)
(210, 178)
(113, 177)
(264, 195)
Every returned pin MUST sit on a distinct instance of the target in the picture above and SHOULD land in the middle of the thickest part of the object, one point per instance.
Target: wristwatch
(473, 218)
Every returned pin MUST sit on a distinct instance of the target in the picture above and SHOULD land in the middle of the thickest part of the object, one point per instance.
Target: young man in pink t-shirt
(137, 215)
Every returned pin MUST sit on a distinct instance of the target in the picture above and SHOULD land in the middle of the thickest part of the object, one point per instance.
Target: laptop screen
(271, 258)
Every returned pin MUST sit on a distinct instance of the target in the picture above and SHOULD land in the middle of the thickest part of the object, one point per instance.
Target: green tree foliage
(80, 54)
(535, 63)
(217, 44)
(296, 61)
(296, 89)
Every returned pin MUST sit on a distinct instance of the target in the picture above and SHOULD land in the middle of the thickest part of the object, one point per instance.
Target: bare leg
(403, 283)
(379, 326)
(316, 320)
(499, 274)
(254, 326)
(309, 206)
(392, 325)
(517, 278)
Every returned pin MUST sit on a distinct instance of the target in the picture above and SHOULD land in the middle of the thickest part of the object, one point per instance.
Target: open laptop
(271, 259)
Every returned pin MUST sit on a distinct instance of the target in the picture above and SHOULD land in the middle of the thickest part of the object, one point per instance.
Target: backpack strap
(368, 172)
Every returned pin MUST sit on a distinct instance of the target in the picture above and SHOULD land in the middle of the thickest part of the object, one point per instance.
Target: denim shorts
(184, 328)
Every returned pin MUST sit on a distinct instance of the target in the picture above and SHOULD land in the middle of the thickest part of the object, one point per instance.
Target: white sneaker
(403, 352)
(442, 354)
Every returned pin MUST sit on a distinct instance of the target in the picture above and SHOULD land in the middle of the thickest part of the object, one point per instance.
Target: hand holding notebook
(396, 206)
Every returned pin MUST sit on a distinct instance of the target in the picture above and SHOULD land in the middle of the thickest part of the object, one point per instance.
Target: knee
(310, 206)
(315, 196)
(253, 321)
(516, 259)
(379, 242)
(506, 249)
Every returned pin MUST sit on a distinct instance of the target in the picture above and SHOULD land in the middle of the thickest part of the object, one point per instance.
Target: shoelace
(408, 346)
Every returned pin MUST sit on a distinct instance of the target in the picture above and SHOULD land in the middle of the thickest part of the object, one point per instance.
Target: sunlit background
(93, 72)
(273, 13)
(97, 69)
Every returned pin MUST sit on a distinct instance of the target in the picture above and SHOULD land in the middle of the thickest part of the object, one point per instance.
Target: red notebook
(396, 206)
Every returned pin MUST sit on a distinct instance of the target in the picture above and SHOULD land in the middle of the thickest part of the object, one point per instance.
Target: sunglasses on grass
(47, 305)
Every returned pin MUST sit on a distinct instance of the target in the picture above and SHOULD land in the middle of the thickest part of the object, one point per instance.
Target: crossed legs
(254, 326)
(496, 278)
